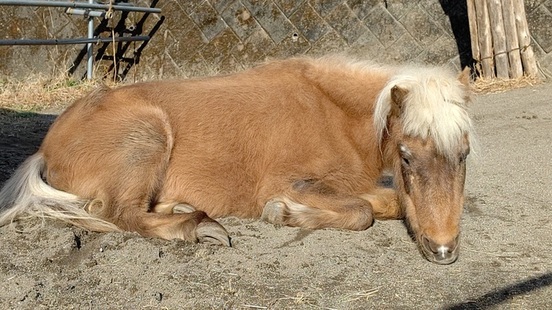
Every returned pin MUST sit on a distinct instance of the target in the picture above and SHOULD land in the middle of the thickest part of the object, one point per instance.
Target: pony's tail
(26, 194)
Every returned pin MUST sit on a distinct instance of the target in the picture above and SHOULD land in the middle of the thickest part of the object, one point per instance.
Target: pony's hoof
(94, 207)
(212, 233)
(183, 208)
(273, 212)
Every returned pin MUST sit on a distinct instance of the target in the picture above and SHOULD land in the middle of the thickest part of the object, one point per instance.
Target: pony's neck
(353, 86)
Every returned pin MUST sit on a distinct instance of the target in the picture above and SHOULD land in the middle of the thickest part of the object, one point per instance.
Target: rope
(109, 15)
(109, 12)
(521, 49)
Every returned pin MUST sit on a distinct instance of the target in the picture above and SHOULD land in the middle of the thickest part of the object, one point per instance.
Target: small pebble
(158, 296)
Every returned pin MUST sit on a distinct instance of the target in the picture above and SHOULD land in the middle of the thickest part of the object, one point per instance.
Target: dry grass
(491, 86)
(41, 93)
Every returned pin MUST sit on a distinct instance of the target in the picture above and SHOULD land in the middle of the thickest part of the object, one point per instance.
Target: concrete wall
(204, 37)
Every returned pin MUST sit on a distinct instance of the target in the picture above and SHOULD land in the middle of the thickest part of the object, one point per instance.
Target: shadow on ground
(502, 295)
(20, 136)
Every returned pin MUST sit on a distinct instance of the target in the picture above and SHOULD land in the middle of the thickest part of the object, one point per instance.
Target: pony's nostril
(430, 245)
(441, 249)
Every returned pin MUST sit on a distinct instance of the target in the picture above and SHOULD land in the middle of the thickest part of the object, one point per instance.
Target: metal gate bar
(82, 5)
(88, 6)
(72, 41)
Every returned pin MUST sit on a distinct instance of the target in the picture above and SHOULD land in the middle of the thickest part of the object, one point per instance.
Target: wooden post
(499, 39)
(484, 38)
(476, 53)
(527, 55)
(512, 43)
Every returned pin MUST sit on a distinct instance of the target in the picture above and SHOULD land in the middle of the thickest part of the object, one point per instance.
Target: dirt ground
(505, 260)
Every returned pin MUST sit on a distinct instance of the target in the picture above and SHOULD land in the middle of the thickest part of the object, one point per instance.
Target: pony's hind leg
(172, 220)
(130, 173)
(193, 226)
(313, 204)
(173, 207)
(166, 221)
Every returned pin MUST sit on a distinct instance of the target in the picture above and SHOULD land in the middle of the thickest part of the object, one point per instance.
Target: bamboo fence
(500, 39)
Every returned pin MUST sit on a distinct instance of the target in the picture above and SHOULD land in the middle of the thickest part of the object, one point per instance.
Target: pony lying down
(298, 142)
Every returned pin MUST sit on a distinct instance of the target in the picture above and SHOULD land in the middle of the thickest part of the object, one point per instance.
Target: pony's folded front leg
(385, 204)
(314, 205)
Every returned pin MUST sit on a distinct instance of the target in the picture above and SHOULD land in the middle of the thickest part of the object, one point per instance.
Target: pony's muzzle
(440, 253)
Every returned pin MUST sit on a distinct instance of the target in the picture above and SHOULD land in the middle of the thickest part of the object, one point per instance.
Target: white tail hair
(26, 194)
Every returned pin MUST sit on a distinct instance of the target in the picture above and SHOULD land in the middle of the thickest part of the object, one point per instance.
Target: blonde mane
(435, 107)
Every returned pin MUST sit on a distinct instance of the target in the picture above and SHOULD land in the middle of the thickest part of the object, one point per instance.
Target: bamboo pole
(512, 43)
(499, 39)
(484, 38)
(527, 55)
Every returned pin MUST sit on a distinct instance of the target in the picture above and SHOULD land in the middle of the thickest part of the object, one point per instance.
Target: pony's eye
(405, 154)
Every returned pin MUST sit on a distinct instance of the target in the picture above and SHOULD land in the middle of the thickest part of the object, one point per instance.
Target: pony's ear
(398, 94)
(464, 76)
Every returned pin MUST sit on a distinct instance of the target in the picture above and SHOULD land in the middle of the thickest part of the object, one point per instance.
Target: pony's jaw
(442, 253)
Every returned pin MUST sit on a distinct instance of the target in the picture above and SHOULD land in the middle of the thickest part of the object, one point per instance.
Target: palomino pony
(299, 142)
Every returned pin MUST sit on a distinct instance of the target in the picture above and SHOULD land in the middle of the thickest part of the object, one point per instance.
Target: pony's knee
(385, 204)
(360, 216)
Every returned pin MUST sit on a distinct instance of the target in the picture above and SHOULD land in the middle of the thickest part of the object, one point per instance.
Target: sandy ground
(505, 260)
